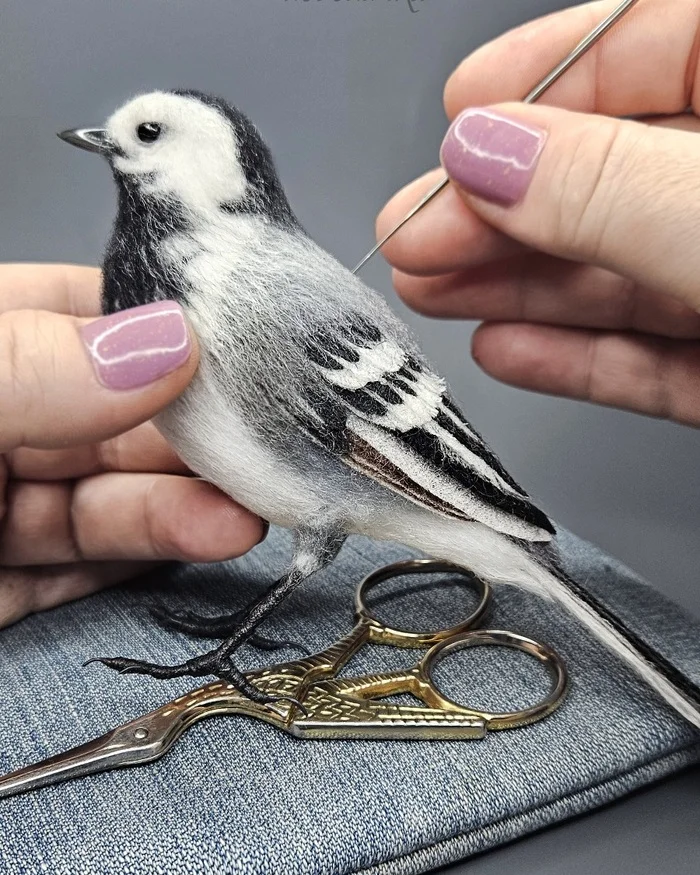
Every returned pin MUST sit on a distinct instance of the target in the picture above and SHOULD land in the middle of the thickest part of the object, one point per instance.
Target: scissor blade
(128, 745)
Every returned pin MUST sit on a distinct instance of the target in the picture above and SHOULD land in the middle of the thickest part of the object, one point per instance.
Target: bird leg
(313, 551)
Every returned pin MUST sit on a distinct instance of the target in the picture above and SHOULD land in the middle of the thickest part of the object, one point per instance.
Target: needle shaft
(577, 52)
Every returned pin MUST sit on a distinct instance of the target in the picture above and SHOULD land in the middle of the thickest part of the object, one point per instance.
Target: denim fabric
(238, 796)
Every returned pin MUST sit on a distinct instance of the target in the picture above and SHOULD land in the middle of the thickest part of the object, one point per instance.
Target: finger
(66, 381)
(619, 194)
(447, 235)
(61, 288)
(539, 288)
(635, 372)
(29, 590)
(141, 450)
(620, 75)
(4, 477)
(142, 517)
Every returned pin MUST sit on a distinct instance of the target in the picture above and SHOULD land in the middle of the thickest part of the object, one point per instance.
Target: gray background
(348, 94)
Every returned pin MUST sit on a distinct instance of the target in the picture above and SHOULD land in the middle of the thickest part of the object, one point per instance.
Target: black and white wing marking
(390, 417)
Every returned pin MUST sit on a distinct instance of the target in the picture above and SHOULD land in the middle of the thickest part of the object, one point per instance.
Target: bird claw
(90, 661)
(260, 642)
(267, 700)
(294, 703)
(212, 663)
(121, 665)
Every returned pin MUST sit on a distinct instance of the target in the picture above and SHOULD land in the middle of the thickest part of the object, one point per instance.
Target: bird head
(189, 149)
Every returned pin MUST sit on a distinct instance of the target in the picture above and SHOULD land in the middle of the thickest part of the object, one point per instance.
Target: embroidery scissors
(331, 707)
(577, 52)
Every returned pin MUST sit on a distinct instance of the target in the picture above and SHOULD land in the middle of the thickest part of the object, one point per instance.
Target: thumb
(67, 381)
(619, 194)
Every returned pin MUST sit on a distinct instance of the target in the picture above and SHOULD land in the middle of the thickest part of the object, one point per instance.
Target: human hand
(90, 493)
(578, 244)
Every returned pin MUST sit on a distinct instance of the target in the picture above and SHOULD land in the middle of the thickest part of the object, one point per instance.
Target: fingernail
(492, 156)
(266, 531)
(138, 346)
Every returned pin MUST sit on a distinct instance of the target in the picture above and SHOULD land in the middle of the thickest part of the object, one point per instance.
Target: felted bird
(313, 405)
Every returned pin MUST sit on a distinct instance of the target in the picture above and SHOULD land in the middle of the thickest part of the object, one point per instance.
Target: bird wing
(387, 414)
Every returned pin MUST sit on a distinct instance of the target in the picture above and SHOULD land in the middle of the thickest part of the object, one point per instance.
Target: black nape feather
(266, 195)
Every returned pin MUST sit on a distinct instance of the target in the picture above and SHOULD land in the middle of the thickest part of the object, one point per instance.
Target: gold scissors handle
(353, 707)
(380, 633)
(357, 708)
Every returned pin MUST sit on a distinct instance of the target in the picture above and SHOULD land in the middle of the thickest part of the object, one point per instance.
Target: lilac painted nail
(492, 156)
(138, 346)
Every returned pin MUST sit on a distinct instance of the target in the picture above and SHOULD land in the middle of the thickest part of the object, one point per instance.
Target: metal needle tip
(577, 52)
(419, 206)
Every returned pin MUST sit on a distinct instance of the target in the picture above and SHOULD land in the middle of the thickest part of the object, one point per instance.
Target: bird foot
(217, 627)
(213, 663)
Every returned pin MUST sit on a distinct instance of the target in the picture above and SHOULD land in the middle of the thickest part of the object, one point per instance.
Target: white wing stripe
(415, 410)
(437, 484)
(471, 459)
(460, 424)
(375, 362)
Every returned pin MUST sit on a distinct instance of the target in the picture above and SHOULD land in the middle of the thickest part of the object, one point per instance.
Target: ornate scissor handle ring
(509, 719)
(380, 633)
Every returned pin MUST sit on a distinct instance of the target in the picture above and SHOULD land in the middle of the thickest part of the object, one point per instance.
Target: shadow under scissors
(335, 708)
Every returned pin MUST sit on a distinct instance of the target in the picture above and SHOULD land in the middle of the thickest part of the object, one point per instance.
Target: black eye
(148, 132)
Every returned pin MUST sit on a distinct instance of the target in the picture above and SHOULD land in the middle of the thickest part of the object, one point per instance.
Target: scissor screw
(140, 734)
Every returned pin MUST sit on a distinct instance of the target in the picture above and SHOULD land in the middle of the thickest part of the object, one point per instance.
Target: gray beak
(90, 139)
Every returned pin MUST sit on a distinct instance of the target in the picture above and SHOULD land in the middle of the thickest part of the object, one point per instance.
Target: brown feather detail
(364, 457)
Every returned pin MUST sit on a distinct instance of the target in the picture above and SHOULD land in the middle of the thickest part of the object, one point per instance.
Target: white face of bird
(177, 147)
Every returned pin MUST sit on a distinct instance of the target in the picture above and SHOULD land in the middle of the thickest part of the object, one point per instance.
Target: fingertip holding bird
(208, 527)
(136, 347)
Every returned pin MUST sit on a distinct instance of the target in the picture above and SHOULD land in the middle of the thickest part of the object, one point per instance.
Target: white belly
(215, 442)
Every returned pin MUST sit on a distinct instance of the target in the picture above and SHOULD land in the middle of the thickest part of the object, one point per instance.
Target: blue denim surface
(237, 796)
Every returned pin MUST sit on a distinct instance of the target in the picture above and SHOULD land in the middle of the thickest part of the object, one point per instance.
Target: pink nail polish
(138, 346)
(492, 156)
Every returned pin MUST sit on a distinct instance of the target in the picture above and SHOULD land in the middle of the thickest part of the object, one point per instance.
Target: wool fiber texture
(313, 404)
